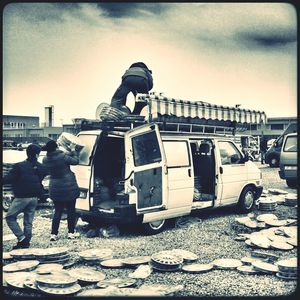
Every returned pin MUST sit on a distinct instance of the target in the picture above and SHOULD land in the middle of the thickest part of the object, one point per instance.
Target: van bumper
(258, 191)
(288, 173)
(123, 214)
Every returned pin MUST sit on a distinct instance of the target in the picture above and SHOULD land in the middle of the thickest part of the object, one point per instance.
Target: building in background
(49, 116)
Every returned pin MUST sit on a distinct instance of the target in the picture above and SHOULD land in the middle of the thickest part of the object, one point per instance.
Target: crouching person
(63, 187)
(26, 178)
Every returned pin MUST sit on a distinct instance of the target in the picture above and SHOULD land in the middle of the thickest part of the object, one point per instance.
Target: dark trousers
(134, 84)
(58, 210)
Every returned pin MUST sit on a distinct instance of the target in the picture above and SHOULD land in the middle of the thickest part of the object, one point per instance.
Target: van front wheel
(155, 227)
(247, 199)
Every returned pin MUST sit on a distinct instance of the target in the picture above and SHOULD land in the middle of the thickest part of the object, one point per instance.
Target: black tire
(247, 200)
(292, 183)
(155, 227)
(274, 162)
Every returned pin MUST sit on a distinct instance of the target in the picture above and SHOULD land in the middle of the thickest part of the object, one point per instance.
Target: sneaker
(53, 237)
(22, 244)
(72, 236)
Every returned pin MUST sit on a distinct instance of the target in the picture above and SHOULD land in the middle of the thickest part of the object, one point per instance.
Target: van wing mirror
(245, 157)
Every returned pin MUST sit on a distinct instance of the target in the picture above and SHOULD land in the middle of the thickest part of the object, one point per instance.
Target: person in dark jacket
(26, 179)
(137, 79)
(63, 187)
(263, 146)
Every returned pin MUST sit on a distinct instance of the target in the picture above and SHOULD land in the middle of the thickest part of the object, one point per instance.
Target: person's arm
(12, 175)
(72, 158)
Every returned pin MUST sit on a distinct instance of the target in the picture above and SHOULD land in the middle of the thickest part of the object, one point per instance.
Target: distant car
(288, 160)
(10, 157)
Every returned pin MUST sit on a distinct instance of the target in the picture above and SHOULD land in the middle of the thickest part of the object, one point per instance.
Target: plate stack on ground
(24, 254)
(48, 268)
(57, 283)
(53, 255)
(267, 204)
(166, 261)
(112, 263)
(136, 260)
(6, 258)
(188, 256)
(18, 279)
(26, 265)
(94, 256)
(197, 268)
(226, 263)
(87, 275)
(265, 267)
(269, 257)
(116, 282)
(287, 269)
(291, 199)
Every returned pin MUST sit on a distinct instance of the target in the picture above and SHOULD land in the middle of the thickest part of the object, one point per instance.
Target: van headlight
(290, 168)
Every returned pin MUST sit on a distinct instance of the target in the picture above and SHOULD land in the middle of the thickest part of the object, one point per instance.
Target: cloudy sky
(72, 55)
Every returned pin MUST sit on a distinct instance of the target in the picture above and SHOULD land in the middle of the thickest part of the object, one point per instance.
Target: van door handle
(221, 170)
(189, 173)
(131, 182)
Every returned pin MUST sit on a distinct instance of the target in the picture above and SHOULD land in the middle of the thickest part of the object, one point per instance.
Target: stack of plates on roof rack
(287, 269)
(57, 283)
(95, 255)
(166, 261)
(268, 204)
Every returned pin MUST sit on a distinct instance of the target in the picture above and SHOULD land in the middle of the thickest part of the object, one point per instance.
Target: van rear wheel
(274, 162)
(155, 227)
(247, 200)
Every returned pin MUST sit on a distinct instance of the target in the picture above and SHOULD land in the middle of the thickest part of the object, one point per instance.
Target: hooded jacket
(63, 185)
(26, 178)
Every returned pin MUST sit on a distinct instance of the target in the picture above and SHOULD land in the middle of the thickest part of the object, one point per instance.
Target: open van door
(145, 157)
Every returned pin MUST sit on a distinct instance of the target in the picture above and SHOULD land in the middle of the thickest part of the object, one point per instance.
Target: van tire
(292, 183)
(274, 162)
(247, 200)
(155, 227)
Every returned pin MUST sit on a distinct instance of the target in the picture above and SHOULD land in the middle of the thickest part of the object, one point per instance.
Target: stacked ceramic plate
(95, 255)
(116, 282)
(264, 256)
(136, 260)
(57, 283)
(52, 255)
(265, 267)
(166, 261)
(112, 263)
(67, 141)
(267, 204)
(26, 265)
(277, 191)
(287, 269)
(19, 279)
(6, 258)
(226, 263)
(48, 268)
(87, 275)
(291, 199)
(23, 254)
(187, 256)
(197, 268)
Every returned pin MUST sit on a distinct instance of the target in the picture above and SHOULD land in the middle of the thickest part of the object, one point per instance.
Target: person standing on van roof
(26, 179)
(63, 187)
(263, 146)
(137, 79)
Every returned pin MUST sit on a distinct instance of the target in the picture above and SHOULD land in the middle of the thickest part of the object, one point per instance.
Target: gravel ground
(209, 234)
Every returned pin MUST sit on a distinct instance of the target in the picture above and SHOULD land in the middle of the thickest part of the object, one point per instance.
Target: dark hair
(50, 146)
(32, 150)
(139, 64)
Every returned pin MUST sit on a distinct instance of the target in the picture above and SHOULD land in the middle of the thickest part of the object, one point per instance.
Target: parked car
(288, 160)
(149, 176)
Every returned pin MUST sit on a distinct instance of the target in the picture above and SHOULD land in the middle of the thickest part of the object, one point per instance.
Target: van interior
(204, 170)
(109, 170)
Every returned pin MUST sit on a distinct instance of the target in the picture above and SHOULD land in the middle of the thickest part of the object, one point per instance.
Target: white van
(149, 176)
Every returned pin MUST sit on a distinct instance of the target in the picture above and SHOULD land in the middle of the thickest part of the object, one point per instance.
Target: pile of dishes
(57, 283)
(287, 269)
(136, 260)
(226, 263)
(265, 267)
(87, 275)
(26, 265)
(166, 261)
(267, 204)
(67, 141)
(95, 255)
(52, 255)
(291, 199)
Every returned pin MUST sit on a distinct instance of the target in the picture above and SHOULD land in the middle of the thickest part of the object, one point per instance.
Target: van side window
(229, 153)
(88, 141)
(177, 153)
(146, 149)
(290, 144)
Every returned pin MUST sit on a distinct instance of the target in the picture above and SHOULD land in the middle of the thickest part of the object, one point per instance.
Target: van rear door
(145, 157)
(83, 171)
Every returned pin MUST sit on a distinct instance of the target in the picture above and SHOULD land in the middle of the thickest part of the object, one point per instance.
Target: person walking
(137, 79)
(263, 147)
(26, 179)
(63, 187)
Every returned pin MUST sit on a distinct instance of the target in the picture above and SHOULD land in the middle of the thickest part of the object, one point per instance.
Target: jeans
(26, 206)
(59, 207)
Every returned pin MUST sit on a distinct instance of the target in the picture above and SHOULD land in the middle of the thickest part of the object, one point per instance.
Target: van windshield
(88, 140)
(290, 144)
